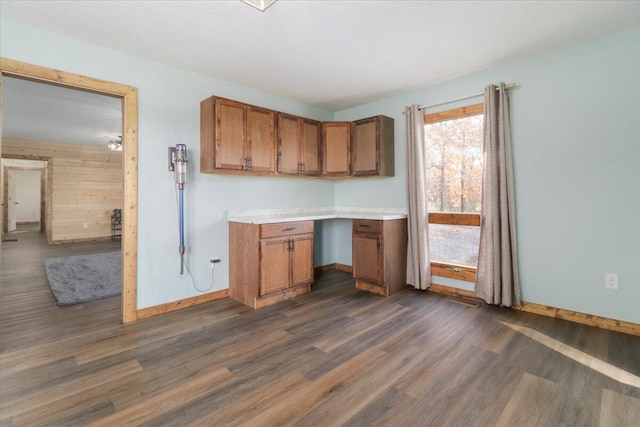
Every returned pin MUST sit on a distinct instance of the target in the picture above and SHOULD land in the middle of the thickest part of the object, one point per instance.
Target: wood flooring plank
(443, 399)
(497, 337)
(343, 336)
(347, 403)
(170, 399)
(384, 411)
(117, 344)
(170, 371)
(34, 377)
(594, 363)
(442, 364)
(77, 411)
(535, 402)
(618, 410)
(251, 404)
(290, 409)
(623, 351)
(12, 406)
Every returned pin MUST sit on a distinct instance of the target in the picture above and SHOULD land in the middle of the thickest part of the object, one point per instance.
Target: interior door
(11, 201)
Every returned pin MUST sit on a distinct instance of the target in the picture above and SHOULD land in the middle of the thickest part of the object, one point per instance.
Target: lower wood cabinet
(270, 262)
(380, 255)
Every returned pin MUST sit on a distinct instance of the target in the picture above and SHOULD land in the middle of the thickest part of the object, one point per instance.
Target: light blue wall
(169, 113)
(576, 145)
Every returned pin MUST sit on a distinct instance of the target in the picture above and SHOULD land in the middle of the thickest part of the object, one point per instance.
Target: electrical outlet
(611, 281)
(214, 262)
(85, 225)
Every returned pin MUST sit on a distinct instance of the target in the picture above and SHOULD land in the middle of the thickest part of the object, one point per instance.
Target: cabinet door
(288, 145)
(274, 265)
(337, 148)
(310, 148)
(366, 147)
(302, 260)
(367, 257)
(261, 139)
(230, 134)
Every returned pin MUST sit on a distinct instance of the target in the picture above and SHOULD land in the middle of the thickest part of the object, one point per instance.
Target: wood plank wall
(85, 186)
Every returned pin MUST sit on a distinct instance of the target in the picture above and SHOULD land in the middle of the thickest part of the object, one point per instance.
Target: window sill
(453, 271)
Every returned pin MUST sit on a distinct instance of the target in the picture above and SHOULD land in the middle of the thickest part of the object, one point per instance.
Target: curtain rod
(423, 107)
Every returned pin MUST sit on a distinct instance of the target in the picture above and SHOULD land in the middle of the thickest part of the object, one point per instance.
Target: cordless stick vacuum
(178, 164)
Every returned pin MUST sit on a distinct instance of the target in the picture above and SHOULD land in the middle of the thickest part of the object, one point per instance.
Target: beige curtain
(418, 263)
(497, 274)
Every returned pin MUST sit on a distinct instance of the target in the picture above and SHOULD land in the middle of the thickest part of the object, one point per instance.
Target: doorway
(129, 99)
(25, 184)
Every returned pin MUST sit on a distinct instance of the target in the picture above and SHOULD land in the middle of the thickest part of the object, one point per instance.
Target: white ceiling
(328, 53)
(43, 112)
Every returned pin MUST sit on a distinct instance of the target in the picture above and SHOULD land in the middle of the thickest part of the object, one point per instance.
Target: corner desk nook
(271, 251)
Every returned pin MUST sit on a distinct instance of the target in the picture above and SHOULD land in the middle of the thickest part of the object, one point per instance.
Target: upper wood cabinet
(240, 138)
(373, 144)
(311, 152)
(261, 141)
(298, 145)
(336, 149)
(236, 137)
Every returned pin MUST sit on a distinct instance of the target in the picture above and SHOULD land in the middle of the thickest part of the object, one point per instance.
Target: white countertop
(268, 216)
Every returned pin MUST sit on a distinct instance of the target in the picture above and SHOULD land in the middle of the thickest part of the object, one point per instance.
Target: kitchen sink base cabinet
(380, 255)
(269, 263)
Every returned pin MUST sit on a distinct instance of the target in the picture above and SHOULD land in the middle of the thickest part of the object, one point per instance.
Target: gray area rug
(77, 279)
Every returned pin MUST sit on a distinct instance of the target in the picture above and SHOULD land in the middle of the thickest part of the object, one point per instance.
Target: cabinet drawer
(285, 228)
(367, 226)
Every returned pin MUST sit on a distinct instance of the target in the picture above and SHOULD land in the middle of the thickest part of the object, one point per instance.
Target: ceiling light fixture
(115, 145)
(261, 5)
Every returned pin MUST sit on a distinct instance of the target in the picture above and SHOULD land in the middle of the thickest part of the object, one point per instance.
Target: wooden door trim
(129, 96)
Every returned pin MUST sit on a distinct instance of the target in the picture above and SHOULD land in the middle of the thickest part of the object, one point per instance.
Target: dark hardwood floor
(334, 357)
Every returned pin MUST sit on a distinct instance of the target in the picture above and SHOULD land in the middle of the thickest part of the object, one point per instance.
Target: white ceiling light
(261, 5)
(115, 144)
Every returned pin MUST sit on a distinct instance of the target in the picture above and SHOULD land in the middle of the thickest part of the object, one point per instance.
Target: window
(453, 141)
